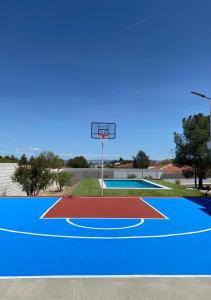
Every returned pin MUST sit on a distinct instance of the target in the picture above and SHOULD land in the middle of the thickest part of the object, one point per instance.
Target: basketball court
(104, 236)
(109, 236)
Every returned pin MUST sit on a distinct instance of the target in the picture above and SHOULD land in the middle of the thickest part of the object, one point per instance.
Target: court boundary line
(104, 276)
(42, 216)
(165, 217)
(145, 218)
(135, 197)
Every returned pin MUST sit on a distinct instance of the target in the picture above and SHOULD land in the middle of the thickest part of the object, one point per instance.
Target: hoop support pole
(210, 120)
(102, 164)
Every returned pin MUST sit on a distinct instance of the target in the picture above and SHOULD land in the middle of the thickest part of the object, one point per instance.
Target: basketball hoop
(103, 136)
(103, 130)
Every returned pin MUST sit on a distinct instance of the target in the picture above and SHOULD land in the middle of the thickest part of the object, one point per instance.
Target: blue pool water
(129, 184)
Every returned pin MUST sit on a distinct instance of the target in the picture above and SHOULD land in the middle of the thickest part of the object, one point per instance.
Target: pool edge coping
(102, 185)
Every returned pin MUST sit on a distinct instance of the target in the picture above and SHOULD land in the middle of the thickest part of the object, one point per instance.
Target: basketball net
(103, 136)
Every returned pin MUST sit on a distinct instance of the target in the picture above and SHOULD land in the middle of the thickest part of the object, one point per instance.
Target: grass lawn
(91, 187)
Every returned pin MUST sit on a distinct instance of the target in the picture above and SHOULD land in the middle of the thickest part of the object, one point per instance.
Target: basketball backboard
(103, 130)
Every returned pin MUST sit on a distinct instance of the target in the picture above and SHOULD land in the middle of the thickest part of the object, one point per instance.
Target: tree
(78, 162)
(141, 160)
(165, 161)
(62, 178)
(8, 159)
(13, 158)
(23, 160)
(34, 176)
(53, 161)
(191, 145)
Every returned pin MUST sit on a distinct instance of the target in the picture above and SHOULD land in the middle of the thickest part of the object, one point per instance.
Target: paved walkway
(106, 289)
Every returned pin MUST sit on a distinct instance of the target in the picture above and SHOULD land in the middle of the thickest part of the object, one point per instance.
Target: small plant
(131, 176)
(106, 176)
(62, 179)
(148, 177)
(177, 181)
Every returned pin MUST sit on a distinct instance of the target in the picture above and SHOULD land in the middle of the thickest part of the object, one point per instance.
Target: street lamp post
(203, 96)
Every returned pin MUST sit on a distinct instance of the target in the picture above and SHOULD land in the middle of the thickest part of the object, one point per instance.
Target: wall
(7, 187)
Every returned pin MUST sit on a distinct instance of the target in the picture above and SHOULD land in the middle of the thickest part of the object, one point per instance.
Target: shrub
(107, 176)
(62, 179)
(131, 176)
(148, 177)
(177, 181)
(33, 177)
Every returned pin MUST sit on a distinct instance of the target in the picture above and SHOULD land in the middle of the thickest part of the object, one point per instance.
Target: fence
(189, 181)
(81, 173)
(175, 175)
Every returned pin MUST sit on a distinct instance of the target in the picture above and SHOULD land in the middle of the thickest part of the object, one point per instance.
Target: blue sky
(64, 64)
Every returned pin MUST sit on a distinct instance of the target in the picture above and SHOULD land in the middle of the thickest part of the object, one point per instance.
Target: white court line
(103, 218)
(165, 217)
(106, 237)
(60, 198)
(105, 228)
(104, 276)
(133, 197)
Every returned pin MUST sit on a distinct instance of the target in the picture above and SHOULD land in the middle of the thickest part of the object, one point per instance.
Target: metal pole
(102, 165)
(210, 122)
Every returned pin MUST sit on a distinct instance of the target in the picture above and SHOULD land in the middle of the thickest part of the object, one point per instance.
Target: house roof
(170, 168)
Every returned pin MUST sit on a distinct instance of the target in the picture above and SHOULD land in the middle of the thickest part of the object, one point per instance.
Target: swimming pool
(130, 184)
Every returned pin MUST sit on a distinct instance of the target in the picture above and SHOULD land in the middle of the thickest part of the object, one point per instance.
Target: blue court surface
(33, 246)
